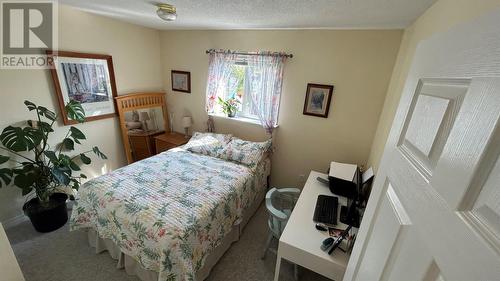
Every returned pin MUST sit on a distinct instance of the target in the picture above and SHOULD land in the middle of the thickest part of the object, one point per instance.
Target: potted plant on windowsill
(49, 170)
(229, 106)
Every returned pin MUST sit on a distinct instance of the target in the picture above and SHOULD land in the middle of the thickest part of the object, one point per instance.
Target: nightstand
(167, 141)
(142, 143)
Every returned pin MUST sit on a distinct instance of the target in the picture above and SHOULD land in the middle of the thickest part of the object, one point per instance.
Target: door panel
(389, 230)
(410, 263)
(431, 116)
(467, 146)
(433, 273)
(434, 213)
(484, 216)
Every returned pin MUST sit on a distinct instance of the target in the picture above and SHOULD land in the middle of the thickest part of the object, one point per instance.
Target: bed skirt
(132, 267)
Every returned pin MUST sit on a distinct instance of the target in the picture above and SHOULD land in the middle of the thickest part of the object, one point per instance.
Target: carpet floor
(63, 256)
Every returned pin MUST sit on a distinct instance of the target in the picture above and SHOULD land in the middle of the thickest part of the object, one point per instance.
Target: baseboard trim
(14, 221)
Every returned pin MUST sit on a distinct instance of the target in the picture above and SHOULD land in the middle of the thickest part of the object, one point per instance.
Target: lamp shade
(144, 116)
(187, 122)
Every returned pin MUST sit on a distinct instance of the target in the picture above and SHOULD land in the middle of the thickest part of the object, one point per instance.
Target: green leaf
(64, 161)
(3, 159)
(75, 111)
(31, 106)
(17, 171)
(29, 168)
(41, 110)
(74, 166)
(83, 176)
(61, 174)
(76, 134)
(85, 159)
(47, 113)
(44, 126)
(21, 139)
(5, 176)
(99, 153)
(24, 180)
(27, 190)
(76, 184)
(68, 144)
(52, 156)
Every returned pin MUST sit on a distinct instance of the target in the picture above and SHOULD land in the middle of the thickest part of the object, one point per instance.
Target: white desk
(300, 241)
(9, 268)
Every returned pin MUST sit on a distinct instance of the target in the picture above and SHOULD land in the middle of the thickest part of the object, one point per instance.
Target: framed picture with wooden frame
(181, 81)
(86, 78)
(318, 98)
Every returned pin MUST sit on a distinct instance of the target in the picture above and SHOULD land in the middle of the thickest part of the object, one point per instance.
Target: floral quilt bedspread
(168, 211)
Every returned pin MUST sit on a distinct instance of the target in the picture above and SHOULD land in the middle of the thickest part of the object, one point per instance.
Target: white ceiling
(263, 14)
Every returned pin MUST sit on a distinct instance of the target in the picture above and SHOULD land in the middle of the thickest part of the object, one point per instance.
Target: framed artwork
(181, 81)
(86, 78)
(318, 98)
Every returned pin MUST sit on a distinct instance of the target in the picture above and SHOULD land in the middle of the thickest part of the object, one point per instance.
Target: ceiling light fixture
(166, 12)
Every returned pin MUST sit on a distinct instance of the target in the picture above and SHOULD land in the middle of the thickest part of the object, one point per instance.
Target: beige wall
(443, 15)
(135, 52)
(358, 63)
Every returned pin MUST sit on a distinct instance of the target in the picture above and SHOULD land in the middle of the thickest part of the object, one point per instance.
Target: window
(252, 81)
(236, 87)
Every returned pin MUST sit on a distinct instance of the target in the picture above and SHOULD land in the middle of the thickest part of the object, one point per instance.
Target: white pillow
(245, 152)
(207, 143)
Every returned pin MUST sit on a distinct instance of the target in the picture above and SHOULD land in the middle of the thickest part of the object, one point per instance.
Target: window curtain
(219, 71)
(264, 82)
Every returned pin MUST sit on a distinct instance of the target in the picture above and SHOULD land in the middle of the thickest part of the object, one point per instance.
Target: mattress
(168, 213)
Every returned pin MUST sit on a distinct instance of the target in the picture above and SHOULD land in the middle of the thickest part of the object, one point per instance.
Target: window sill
(237, 118)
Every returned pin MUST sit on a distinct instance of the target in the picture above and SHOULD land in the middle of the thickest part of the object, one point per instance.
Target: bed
(173, 215)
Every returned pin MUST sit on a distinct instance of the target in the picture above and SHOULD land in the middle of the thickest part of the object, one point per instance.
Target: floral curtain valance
(263, 82)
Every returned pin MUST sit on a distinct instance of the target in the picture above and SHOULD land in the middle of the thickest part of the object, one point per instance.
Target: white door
(434, 213)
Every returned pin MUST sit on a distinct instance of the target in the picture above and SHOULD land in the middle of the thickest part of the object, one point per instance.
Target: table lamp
(144, 118)
(186, 123)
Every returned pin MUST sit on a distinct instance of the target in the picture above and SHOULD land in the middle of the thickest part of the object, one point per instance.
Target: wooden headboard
(137, 101)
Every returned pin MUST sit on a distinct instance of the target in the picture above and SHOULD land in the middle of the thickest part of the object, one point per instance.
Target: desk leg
(278, 267)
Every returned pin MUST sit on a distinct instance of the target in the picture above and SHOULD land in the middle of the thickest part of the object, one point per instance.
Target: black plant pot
(48, 217)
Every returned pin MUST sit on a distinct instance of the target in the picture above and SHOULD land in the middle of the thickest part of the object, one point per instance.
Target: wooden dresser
(167, 141)
(142, 144)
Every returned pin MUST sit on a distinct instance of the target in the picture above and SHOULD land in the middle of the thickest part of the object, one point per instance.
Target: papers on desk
(342, 171)
(367, 175)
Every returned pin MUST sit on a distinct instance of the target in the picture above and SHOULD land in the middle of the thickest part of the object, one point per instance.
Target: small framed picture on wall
(181, 81)
(318, 98)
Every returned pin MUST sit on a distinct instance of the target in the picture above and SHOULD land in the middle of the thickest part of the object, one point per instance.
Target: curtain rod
(211, 51)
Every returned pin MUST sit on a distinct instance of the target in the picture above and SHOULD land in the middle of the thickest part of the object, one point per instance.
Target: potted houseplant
(43, 171)
(229, 106)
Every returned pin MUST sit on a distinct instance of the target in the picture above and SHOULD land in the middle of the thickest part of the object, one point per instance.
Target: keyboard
(326, 209)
